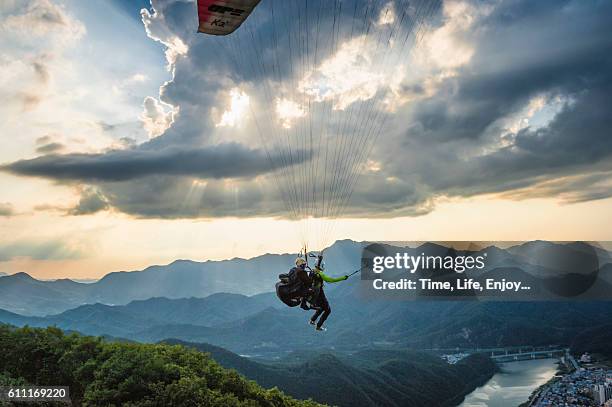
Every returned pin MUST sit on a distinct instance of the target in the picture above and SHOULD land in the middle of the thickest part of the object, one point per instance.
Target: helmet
(300, 262)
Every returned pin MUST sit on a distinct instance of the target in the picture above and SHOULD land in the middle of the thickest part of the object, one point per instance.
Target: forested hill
(368, 378)
(597, 339)
(126, 374)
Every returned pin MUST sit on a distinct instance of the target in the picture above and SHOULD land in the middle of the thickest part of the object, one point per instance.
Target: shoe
(311, 322)
(320, 329)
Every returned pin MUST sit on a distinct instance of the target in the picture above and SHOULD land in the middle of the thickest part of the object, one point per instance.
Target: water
(513, 385)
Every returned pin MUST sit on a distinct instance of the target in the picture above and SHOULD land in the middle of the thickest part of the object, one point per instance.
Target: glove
(346, 277)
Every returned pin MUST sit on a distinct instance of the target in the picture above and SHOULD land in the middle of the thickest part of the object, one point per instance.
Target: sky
(128, 139)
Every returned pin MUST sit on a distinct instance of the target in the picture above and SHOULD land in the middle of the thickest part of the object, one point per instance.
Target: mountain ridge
(26, 295)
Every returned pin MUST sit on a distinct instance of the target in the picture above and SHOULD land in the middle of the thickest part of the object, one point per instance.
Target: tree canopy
(101, 373)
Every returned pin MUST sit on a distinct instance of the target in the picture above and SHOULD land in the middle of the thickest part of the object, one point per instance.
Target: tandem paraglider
(315, 77)
(303, 286)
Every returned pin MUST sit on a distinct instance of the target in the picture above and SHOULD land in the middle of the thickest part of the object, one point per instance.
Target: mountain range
(24, 295)
(260, 323)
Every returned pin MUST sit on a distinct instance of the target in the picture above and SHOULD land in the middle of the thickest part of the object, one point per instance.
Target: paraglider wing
(222, 17)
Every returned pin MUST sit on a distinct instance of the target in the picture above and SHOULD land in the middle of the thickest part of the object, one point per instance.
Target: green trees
(121, 374)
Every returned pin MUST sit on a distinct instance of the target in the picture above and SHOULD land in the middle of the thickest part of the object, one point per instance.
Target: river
(513, 384)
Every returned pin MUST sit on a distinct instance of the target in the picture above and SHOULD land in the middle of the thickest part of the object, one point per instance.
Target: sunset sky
(118, 150)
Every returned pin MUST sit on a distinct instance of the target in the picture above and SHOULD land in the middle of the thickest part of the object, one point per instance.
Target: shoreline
(536, 393)
(517, 380)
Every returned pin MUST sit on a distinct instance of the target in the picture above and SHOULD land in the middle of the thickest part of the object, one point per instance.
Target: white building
(602, 393)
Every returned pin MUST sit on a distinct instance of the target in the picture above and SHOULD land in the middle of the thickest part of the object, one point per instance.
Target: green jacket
(324, 277)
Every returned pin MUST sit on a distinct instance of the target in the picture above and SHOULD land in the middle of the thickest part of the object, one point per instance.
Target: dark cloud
(48, 15)
(171, 197)
(46, 139)
(50, 148)
(576, 141)
(91, 201)
(220, 161)
(42, 71)
(560, 50)
(6, 209)
(519, 55)
(107, 126)
(572, 189)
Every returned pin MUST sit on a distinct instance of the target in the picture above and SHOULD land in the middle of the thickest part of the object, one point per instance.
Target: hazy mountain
(366, 378)
(11, 318)
(460, 324)
(261, 324)
(25, 295)
(130, 320)
(359, 329)
(209, 311)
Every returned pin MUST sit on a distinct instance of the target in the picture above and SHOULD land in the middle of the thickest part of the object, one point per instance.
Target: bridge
(511, 353)
(527, 355)
(496, 350)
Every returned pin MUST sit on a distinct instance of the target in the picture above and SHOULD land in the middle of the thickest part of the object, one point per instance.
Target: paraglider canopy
(218, 17)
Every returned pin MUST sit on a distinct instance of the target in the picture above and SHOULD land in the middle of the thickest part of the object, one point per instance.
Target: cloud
(6, 209)
(40, 22)
(288, 111)
(572, 189)
(31, 96)
(387, 15)
(33, 33)
(462, 139)
(448, 46)
(171, 198)
(48, 144)
(238, 108)
(160, 29)
(220, 161)
(157, 116)
(50, 148)
(348, 76)
(91, 201)
(39, 250)
(39, 17)
(500, 96)
(41, 71)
